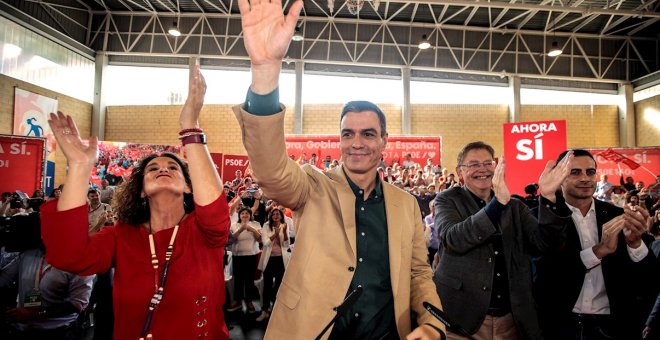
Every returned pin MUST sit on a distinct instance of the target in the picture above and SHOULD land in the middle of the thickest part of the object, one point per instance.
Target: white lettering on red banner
(527, 148)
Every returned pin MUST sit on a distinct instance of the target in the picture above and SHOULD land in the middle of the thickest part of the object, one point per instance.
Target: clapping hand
(553, 176)
(500, 188)
(636, 222)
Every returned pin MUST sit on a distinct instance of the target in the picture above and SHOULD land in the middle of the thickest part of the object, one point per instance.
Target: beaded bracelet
(184, 131)
(187, 134)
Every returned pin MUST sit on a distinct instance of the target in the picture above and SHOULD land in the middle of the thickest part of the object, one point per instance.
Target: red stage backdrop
(231, 163)
(527, 148)
(22, 162)
(420, 148)
(648, 158)
(217, 161)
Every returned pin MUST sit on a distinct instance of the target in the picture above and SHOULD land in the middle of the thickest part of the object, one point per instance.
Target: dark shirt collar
(378, 188)
(479, 199)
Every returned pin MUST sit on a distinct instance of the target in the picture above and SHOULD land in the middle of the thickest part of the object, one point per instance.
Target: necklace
(159, 287)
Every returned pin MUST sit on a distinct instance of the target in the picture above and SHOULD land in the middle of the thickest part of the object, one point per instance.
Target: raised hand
(500, 188)
(189, 117)
(67, 136)
(267, 33)
(553, 176)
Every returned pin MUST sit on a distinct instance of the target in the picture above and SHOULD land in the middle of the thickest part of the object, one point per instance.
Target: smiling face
(580, 184)
(163, 174)
(361, 142)
(479, 179)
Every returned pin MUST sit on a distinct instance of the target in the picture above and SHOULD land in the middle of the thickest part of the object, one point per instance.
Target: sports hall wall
(588, 125)
(80, 110)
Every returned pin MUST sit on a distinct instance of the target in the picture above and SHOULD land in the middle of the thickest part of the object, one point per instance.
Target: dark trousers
(432, 253)
(585, 327)
(244, 269)
(274, 271)
(62, 333)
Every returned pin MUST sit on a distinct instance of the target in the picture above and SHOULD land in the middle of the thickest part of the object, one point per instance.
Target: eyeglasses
(477, 165)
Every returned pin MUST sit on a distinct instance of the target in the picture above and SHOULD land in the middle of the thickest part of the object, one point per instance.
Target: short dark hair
(244, 208)
(93, 191)
(577, 153)
(363, 105)
(478, 145)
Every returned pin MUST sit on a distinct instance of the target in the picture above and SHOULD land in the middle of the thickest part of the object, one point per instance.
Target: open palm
(266, 31)
(69, 141)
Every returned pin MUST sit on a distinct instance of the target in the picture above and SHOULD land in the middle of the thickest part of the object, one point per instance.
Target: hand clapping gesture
(553, 176)
(500, 188)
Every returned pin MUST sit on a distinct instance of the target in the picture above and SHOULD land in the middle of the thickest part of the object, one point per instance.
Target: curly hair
(128, 203)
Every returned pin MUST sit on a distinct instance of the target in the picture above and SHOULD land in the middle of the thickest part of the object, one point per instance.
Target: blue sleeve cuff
(263, 105)
(494, 211)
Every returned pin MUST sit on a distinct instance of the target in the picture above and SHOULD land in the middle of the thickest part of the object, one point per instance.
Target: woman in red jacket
(167, 250)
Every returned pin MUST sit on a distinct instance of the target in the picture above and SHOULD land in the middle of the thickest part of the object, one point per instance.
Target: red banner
(217, 161)
(527, 148)
(647, 158)
(21, 163)
(231, 163)
(419, 148)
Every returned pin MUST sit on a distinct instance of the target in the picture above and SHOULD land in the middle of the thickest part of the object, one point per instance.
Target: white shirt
(593, 296)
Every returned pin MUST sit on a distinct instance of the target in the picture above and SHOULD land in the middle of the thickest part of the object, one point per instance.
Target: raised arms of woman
(206, 182)
(80, 158)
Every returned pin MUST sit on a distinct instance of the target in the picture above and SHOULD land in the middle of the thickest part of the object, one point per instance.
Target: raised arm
(207, 185)
(80, 160)
(267, 33)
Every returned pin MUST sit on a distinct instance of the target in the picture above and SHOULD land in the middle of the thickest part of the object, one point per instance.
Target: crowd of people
(342, 249)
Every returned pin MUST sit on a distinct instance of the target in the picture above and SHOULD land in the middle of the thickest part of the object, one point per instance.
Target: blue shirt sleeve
(494, 211)
(263, 105)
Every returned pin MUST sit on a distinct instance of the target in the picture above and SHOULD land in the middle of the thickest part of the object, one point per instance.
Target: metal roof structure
(605, 42)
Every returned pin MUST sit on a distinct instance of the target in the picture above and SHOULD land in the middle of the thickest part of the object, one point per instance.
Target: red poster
(22, 163)
(419, 148)
(217, 161)
(648, 159)
(231, 163)
(528, 146)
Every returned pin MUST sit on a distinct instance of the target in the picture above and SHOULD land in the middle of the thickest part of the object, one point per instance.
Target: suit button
(490, 259)
(351, 269)
(484, 288)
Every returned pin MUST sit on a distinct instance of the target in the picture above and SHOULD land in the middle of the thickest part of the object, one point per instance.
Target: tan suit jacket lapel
(347, 204)
(394, 224)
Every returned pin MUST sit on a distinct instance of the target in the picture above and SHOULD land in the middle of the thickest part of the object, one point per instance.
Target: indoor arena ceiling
(604, 42)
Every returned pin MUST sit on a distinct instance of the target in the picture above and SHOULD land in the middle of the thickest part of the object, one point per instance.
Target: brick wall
(647, 121)
(459, 125)
(587, 125)
(80, 111)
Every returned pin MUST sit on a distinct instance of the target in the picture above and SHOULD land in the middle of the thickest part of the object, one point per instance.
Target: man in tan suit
(353, 231)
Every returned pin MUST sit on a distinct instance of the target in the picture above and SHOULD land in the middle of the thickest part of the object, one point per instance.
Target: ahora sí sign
(527, 148)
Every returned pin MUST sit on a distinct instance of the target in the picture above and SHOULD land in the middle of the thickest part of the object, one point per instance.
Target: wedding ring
(66, 132)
